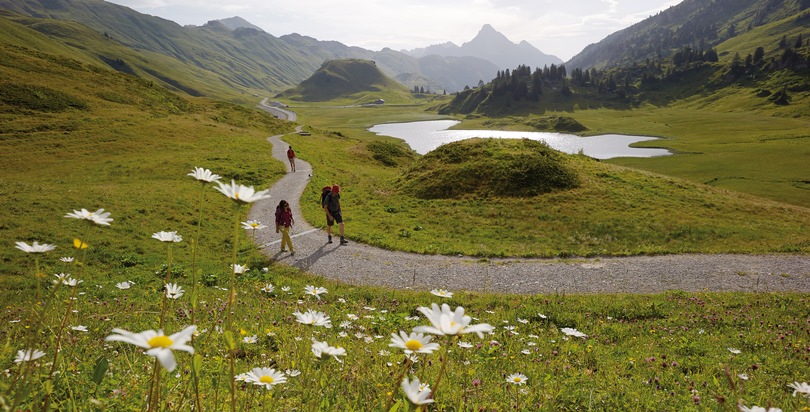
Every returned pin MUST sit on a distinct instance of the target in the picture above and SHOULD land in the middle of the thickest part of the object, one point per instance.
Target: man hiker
(331, 205)
(291, 157)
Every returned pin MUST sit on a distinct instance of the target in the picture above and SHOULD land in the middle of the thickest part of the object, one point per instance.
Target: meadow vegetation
(128, 148)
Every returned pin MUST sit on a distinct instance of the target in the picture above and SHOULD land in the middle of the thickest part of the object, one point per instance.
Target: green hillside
(359, 81)
(78, 135)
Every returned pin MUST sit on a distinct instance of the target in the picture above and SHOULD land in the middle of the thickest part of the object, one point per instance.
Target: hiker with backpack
(291, 158)
(284, 222)
(330, 200)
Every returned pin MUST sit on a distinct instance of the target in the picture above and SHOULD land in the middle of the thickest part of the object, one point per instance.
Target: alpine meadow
(135, 156)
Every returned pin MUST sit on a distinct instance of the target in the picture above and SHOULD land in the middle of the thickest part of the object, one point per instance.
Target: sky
(558, 27)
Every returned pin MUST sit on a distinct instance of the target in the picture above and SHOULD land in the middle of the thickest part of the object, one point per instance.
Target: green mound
(489, 167)
(347, 78)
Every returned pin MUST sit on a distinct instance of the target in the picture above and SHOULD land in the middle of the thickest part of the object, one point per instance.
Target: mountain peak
(237, 22)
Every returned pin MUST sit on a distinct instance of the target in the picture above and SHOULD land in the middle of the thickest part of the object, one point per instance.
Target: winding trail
(365, 265)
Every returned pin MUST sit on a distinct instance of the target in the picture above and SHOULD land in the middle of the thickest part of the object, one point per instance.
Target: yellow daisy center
(516, 379)
(413, 344)
(161, 341)
(266, 379)
(254, 224)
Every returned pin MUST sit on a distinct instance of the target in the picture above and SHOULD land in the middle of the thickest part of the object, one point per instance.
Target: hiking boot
(329, 240)
(292, 253)
(283, 250)
(343, 241)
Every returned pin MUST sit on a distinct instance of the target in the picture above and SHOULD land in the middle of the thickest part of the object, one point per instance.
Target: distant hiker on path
(330, 200)
(284, 222)
(291, 158)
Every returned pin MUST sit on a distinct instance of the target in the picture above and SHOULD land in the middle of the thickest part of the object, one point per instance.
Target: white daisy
(314, 291)
(241, 194)
(167, 237)
(203, 175)
(174, 291)
(447, 322)
(442, 293)
(314, 318)
(267, 377)
(517, 379)
(28, 355)
(35, 247)
(158, 345)
(413, 390)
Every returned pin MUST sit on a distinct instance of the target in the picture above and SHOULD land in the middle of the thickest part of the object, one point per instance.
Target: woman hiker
(284, 221)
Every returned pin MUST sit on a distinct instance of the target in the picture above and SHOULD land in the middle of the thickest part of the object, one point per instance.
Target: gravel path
(360, 264)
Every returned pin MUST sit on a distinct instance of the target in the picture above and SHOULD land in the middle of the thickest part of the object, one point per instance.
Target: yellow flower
(78, 244)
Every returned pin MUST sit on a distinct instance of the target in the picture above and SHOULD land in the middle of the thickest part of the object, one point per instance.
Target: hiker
(330, 200)
(284, 222)
(291, 157)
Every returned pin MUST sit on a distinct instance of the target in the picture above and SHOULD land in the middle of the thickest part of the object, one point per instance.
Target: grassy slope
(128, 151)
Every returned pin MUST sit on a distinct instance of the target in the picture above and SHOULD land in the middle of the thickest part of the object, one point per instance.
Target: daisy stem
(231, 302)
(68, 309)
(26, 366)
(397, 382)
(37, 275)
(166, 282)
(154, 404)
(443, 369)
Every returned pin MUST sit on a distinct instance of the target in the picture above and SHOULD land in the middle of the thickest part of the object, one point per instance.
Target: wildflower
(35, 247)
(268, 288)
(743, 376)
(517, 379)
(80, 328)
(79, 244)
(253, 225)
(322, 348)
(99, 217)
(314, 318)
(71, 282)
(158, 345)
(285, 288)
(351, 316)
(758, 409)
(292, 372)
(267, 377)
(523, 321)
(28, 355)
(526, 352)
(250, 339)
(314, 291)
(174, 291)
(542, 316)
(167, 237)
(239, 269)
(573, 332)
(464, 345)
(241, 194)
(734, 351)
(446, 322)
(123, 285)
(413, 390)
(442, 293)
(415, 342)
(203, 175)
(802, 388)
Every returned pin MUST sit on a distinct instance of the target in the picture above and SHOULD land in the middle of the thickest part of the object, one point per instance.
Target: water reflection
(426, 136)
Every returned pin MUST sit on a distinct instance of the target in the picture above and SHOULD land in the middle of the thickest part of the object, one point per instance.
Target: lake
(423, 137)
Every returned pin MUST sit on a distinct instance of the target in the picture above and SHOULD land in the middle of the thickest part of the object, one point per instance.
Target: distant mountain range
(243, 56)
(492, 46)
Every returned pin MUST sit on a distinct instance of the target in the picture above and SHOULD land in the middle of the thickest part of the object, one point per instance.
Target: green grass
(615, 210)
(128, 150)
